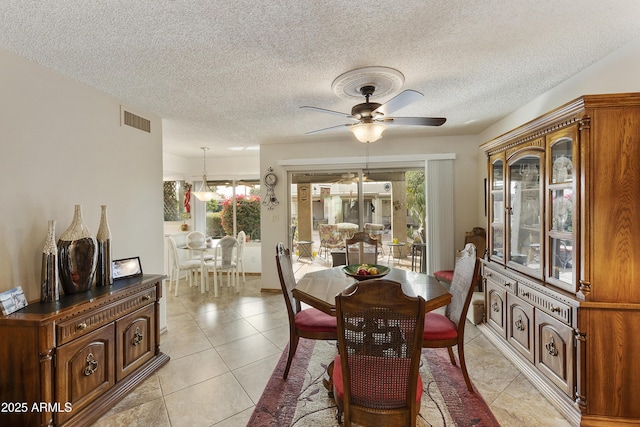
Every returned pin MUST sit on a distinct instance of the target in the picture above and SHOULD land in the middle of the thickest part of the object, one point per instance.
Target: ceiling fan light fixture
(205, 194)
(368, 132)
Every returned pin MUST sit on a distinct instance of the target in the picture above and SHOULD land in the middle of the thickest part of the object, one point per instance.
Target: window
(236, 209)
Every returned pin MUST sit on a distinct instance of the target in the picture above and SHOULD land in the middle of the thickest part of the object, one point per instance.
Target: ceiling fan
(372, 118)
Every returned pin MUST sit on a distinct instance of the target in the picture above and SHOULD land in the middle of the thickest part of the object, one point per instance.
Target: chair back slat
(462, 284)
(361, 249)
(287, 278)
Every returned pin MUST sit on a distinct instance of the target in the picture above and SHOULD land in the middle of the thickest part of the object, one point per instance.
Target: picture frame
(126, 267)
(12, 300)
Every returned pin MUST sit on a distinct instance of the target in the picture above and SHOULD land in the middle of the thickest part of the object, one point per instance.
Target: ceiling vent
(136, 121)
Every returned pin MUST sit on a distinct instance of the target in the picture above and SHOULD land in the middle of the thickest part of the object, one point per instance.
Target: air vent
(137, 122)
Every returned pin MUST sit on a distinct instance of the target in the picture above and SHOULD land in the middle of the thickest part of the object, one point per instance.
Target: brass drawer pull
(137, 337)
(495, 307)
(551, 347)
(146, 297)
(519, 324)
(81, 326)
(507, 284)
(526, 294)
(92, 365)
(555, 309)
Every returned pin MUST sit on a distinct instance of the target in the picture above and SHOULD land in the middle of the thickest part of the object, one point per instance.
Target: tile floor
(224, 349)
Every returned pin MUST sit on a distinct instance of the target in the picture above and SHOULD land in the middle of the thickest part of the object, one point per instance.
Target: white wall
(61, 145)
(469, 193)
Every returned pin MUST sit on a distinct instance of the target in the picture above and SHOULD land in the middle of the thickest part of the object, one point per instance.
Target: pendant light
(205, 193)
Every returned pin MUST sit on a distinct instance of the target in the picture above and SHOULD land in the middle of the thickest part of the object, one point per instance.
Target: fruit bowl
(374, 271)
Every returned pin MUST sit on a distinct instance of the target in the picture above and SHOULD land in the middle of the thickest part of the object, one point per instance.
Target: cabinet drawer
(496, 309)
(555, 351)
(135, 340)
(520, 332)
(546, 303)
(84, 370)
(83, 323)
(500, 280)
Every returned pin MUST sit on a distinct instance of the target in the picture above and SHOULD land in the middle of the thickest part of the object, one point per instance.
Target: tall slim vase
(104, 271)
(49, 276)
(77, 256)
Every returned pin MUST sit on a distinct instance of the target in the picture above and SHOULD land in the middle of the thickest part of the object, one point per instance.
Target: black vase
(77, 256)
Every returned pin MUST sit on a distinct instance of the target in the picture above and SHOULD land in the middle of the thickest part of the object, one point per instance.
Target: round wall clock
(270, 180)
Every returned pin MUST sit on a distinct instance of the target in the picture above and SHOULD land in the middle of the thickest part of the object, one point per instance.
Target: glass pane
(562, 210)
(497, 239)
(524, 175)
(497, 175)
(562, 259)
(562, 161)
(497, 211)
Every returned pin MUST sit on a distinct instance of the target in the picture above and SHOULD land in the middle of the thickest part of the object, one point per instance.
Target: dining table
(319, 288)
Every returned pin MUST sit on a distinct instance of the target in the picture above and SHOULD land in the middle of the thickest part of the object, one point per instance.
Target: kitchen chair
(376, 379)
(310, 323)
(179, 264)
(361, 249)
(197, 239)
(329, 238)
(478, 237)
(447, 330)
(242, 239)
(225, 261)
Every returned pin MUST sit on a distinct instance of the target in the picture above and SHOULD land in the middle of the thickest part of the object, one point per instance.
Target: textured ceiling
(234, 73)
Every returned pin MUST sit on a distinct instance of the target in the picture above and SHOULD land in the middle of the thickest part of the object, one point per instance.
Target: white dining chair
(180, 264)
(242, 238)
(226, 260)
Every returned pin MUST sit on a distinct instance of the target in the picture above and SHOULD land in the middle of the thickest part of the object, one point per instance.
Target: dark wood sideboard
(68, 362)
(562, 273)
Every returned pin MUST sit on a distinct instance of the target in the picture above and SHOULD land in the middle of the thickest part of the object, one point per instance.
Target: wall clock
(270, 180)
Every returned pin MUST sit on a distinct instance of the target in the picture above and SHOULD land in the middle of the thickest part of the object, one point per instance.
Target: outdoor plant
(247, 215)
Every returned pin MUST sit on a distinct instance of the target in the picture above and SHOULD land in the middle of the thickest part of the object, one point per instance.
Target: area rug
(302, 400)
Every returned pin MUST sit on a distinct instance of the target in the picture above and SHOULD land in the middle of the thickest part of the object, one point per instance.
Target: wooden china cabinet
(68, 362)
(562, 275)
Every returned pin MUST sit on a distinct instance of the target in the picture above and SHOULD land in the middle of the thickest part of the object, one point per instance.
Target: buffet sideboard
(562, 274)
(68, 362)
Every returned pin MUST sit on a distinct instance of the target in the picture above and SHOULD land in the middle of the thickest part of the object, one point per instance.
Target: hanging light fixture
(205, 193)
(368, 132)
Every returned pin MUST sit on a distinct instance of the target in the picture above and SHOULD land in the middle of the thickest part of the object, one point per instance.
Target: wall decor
(270, 181)
(104, 273)
(49, 282)
(77, 256)
(127, 267)
(12, 300)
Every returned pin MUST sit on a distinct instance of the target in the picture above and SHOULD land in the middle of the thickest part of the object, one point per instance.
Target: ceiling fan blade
(399, 101)
(329, 128)
(322, 110)
(414, 121)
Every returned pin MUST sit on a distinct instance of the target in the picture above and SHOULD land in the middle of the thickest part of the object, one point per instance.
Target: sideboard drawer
(546, 303)
(84, 323)
(499, 279)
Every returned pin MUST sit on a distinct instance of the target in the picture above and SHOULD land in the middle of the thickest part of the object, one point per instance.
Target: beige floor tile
(189, 370)
(152, 413)
(207, 403)
(224, 333)
(254, 377)
(246, 350)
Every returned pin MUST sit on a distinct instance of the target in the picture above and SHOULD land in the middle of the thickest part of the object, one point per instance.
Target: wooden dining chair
(376, 379)
(310, 323)
(447, 330)
(362, 249)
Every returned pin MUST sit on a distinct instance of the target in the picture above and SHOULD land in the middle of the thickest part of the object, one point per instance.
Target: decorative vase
(104, 271)
(49, 276)
(77, 256)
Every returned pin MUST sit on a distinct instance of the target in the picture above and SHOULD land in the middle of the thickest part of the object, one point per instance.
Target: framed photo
(127, 267)
(12, 300)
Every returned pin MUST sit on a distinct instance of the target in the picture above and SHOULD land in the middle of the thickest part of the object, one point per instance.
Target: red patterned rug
(302, 400)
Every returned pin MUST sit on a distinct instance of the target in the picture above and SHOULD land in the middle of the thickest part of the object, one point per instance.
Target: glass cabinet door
(496, 194)
(561, 207)
(524, 212)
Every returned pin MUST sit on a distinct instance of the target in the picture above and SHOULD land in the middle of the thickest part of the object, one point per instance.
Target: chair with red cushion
(478, 237)
(376, 379)
(310, 323)
(447, 330)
